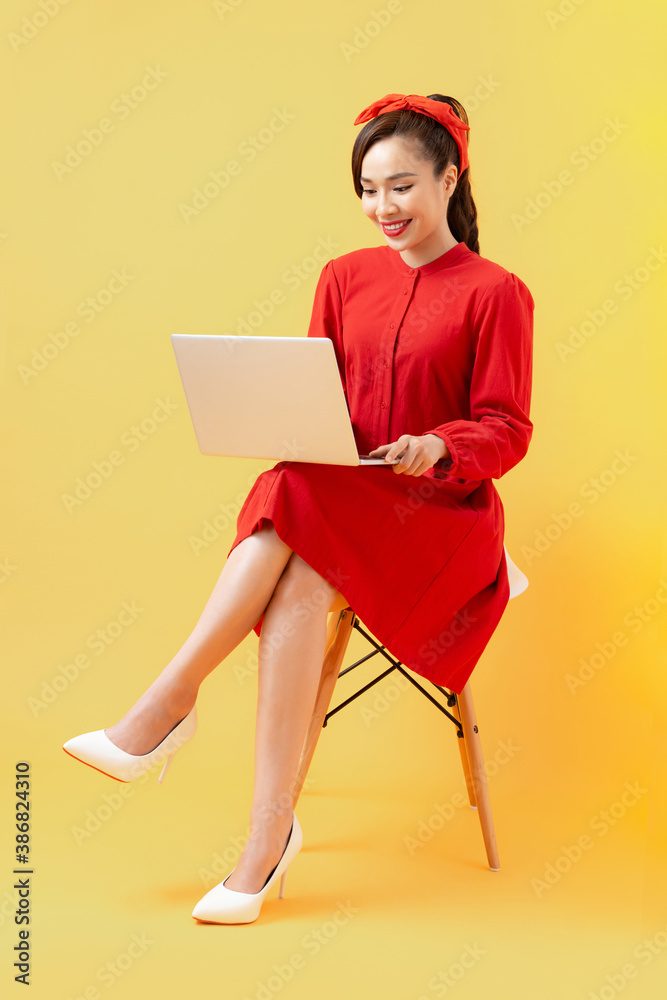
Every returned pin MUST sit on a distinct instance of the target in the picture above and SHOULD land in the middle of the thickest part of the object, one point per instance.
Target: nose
(385, 205)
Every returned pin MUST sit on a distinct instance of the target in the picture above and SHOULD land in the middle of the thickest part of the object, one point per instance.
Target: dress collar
(447, 259)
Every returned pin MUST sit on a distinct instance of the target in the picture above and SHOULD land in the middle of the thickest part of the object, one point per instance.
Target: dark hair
(434, 143)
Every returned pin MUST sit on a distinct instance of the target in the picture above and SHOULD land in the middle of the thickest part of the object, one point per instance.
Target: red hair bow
(439, 110)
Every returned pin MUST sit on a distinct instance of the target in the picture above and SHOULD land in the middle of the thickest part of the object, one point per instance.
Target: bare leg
(261, 575)
(291, 652)
(239, 597)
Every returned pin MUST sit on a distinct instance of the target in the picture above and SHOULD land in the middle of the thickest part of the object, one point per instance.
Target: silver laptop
(268, 397)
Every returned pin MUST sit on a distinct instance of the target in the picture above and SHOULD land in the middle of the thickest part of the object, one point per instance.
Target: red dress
(444, 348)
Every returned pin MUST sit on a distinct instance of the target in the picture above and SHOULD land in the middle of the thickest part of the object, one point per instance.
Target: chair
(339, 630)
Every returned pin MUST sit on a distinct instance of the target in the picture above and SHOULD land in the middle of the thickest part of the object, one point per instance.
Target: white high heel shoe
(97, 750)
(221, 905)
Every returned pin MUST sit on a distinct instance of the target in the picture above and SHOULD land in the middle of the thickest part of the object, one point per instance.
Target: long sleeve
(499, 430)
(327, 315)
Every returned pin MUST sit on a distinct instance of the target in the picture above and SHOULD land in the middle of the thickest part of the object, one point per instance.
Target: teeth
(397, 225)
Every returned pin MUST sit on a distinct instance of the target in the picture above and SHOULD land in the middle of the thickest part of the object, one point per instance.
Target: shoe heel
(282, 883)
(165, 768)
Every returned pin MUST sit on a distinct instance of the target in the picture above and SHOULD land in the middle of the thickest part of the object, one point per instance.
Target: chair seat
(518, 580)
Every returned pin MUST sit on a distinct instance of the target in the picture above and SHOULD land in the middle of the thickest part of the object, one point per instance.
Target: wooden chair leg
(478, 774)
(463, 749)
(339, 629)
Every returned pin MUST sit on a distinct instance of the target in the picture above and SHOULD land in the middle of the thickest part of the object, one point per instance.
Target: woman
(434, 347)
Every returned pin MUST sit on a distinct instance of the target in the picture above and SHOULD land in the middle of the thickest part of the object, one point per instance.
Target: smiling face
(402, 198)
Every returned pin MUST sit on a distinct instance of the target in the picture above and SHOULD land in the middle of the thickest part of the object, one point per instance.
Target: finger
(415, 462)
(402, 463)
(399, 448)
(420, 468)
(414, 466)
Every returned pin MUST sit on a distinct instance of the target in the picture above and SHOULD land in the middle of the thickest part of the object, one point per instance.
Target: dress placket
(386, 368)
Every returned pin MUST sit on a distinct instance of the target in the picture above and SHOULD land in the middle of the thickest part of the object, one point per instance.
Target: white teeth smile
(395, 225)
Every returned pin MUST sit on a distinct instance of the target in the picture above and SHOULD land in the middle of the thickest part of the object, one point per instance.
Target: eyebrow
(392, 177)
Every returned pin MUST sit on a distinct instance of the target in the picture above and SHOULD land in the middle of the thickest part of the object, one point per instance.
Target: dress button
(411, 271)
(391, 326)
(385, 364)
(382, 404)
(405, 291)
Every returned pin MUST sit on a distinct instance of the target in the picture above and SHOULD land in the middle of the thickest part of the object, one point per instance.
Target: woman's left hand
(417, 454)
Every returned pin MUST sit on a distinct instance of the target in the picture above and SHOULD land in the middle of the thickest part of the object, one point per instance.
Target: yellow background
(538, 85)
